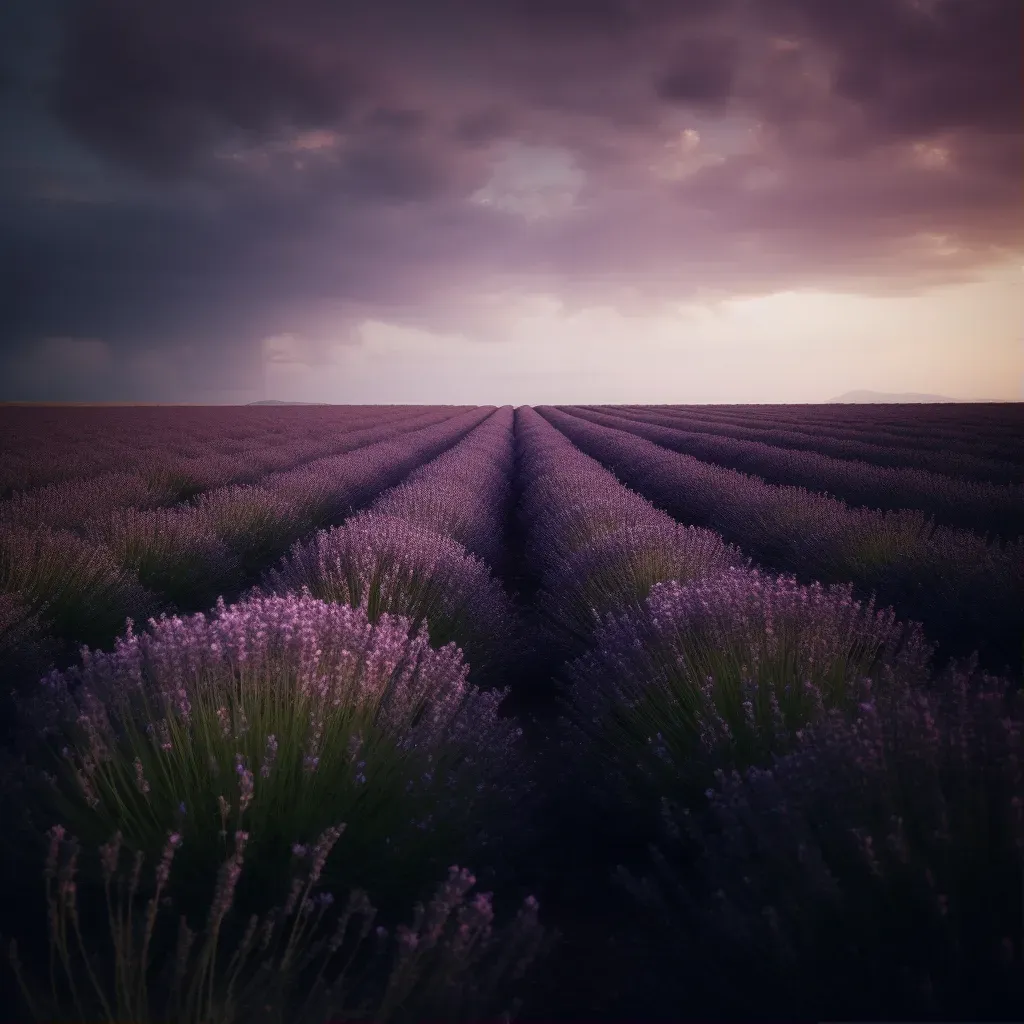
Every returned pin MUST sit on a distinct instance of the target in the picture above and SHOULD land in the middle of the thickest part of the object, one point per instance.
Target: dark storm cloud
(228, 170)
(482, 126)
(154, 85)
(703, 72)
(925, 66)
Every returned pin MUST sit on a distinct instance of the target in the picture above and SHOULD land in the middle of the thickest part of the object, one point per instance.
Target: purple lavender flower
(78, 589)
(406, 707)
(731, 666)
(174, 551)
(269, 757)
(386, 565)
(617, 570)
(462, 493)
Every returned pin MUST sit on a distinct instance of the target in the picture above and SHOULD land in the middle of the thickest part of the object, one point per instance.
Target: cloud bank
(191, 179)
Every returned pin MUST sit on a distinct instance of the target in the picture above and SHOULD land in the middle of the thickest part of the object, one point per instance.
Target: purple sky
(517, 201)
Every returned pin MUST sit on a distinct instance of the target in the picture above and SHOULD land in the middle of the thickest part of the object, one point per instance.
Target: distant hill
(909, 396)
(274, 401)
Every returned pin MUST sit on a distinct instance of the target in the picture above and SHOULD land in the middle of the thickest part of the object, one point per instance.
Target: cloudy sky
(525, 201)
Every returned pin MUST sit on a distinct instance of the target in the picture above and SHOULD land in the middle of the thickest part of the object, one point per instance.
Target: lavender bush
(874, 872)
(280, 715)
(448, 964)
(70, 504)
(255, 522)
(569, 509)
(79, 590)
(616, 571)
(727, 670)
(173, 551)
(387, 565)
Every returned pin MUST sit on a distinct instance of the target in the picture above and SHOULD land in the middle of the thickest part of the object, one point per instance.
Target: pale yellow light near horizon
(964, 341)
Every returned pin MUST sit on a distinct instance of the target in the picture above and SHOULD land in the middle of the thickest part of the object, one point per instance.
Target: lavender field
(400, 713)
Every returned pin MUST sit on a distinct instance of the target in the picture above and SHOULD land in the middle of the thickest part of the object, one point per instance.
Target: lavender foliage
(726, 671)
(173, 551)
(998, 508)
(464, 492)
(968, 592)
(387, 565)
(617, 570)
(874, 872)
(453, 962)
(255, 522)
(71, 504)
(914, 442)
(79, 590)
(356, 720)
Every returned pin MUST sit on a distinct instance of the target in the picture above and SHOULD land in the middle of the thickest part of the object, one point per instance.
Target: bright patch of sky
(532, 182)
(792, 346)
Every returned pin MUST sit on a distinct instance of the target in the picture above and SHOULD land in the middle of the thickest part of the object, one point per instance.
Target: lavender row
(985, 507)
(82, 503)
(687, 665)
(43, 445)
(83, 588)
(463, 493)
(239, 529)
(183, 470)
(416, 551)
(864, 773)
(1000, 418)
(828, 443)
(101, 434)
(968, 592)
(595, 545)
(967, 446)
